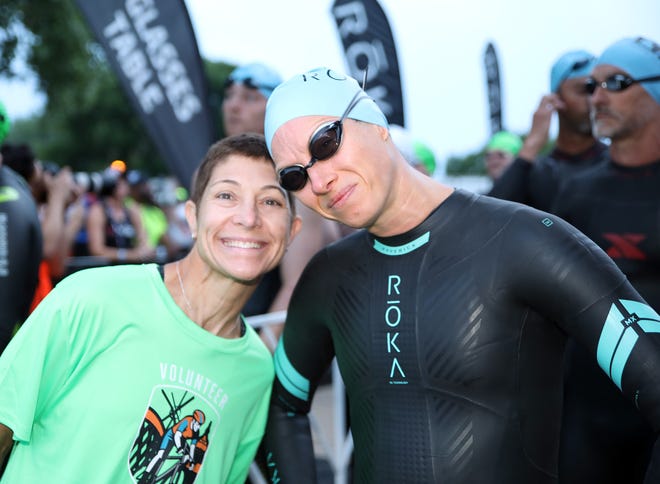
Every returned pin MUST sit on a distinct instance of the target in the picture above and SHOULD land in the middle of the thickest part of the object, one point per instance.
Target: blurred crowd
(119, 215)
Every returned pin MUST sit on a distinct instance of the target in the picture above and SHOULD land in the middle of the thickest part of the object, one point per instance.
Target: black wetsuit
(605, 439)
(450, 340)
(20, 251)
(264, 295)
(536, 184)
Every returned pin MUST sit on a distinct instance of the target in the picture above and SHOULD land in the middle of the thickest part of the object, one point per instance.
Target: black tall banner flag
(152, 48)
(494, 90)
(367, 39)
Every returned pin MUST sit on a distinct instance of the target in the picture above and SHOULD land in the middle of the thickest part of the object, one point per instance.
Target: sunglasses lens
(590, 86)
(293, 178)
(247, 82)
(617, 83)
(325, 142)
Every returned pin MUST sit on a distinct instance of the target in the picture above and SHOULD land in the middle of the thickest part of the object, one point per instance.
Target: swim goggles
(616, 83)
(324, 143)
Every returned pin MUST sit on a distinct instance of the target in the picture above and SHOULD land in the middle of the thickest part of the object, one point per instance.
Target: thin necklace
(183, 291)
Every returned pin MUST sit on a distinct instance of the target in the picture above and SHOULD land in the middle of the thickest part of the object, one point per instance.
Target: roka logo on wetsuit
(393, 318)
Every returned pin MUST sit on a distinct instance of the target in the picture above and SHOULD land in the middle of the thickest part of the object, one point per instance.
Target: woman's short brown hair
(251, 145)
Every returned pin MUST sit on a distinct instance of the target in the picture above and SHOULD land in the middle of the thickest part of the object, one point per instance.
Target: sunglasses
(615, 83)
(247, 82)
(324, 143)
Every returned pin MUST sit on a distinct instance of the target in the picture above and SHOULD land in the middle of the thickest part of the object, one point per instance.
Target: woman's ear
(191, 217)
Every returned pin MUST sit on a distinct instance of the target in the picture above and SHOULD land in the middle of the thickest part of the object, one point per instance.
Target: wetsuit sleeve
(514, 182)
(20, 253)
(565, 276)
(302, 357)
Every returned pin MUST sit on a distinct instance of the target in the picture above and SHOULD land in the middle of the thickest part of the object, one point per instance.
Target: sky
(440, 46)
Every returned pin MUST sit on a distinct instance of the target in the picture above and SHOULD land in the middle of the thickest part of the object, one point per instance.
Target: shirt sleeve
(33, 367)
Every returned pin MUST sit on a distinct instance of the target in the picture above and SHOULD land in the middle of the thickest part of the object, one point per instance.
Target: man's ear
(383, 131)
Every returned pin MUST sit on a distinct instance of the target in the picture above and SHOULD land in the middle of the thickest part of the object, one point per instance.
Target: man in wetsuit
(535, 180)
(617, 205)
(448, 315)
(20, 246)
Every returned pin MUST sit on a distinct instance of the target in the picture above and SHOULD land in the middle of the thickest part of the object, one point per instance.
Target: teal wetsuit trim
(618, 337)
(403, 249)
(293, 382)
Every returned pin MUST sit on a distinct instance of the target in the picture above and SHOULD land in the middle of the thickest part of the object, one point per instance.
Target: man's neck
(573, 143)
(416, 197)
(640, 148)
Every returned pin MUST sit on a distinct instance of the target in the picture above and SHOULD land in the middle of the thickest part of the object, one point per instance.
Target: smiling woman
(157, 355)
(240, 217)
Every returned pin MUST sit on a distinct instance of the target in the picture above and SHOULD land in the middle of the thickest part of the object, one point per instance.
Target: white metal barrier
(340, 453)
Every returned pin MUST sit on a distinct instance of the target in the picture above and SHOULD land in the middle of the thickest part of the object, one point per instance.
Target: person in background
(152, 215)
(427, 162)
(178, 237)
(448, 315)
(415, 152)
(58, 200)
(246, 92)
(533, 179)
(114, 229)
(500, 152)
(244, 101)
(20, 245)
(616, 204)
(101, 379)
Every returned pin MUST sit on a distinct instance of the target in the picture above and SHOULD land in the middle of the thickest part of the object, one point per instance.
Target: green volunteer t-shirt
(109, 379)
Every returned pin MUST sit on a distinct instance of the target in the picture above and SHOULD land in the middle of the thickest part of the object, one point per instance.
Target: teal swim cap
(639, 57)
(5, 124)
(318, 92)
(576, 63)
(256, 75)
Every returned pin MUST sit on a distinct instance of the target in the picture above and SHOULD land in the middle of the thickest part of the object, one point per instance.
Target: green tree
(471, 164)
(88, 121)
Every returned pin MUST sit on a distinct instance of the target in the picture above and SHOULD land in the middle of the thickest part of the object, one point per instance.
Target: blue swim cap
(256, 75)
(318, 92)
(576, 63)
(639, 57)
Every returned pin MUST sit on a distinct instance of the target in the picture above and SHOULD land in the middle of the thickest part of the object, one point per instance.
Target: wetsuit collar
(420, 235)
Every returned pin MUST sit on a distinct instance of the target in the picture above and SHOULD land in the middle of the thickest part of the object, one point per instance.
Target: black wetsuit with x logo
(605, 439)
(536, 184)
(450, 340)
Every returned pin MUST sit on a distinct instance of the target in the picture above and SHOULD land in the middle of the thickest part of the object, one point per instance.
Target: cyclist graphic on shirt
(184, 436)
